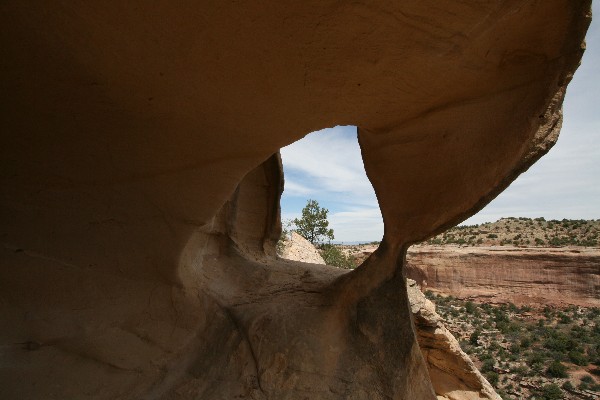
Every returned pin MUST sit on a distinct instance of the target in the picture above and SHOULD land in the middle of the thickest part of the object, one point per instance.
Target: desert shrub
(500, 316)
(520, 370)
(494, 346)
(514, 348)
(583, 386)
(578, 358)
(565, 319)
(557, 370)
(492, 377)
(535, 358)
(568, 385)
(470, 307)
(488, 365)
(332, 255)
(559, 342)
(551, 392)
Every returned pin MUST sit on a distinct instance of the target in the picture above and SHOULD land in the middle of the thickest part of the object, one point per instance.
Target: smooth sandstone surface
(453, 374)
(140, 183)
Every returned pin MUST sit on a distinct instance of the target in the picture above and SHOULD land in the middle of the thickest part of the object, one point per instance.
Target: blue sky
(327, 166)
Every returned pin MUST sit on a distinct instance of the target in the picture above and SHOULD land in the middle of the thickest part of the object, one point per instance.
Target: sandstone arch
(139, 186)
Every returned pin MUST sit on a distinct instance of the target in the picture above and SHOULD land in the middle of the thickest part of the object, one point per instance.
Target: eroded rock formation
(534, 276)
(140, 189)
(453, 374)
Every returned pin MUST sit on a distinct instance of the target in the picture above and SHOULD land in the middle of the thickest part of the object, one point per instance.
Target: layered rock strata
(140, 183)
(532, 276)
(453, 374)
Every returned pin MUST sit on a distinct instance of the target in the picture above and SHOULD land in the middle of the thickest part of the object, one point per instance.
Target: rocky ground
(547, 354)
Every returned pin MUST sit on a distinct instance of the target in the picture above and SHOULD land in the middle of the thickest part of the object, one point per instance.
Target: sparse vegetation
(332, 255)
(525, 353)
(313, 225)
(523, 232)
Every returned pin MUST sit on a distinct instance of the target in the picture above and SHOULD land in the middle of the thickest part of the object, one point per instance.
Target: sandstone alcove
(140, 183)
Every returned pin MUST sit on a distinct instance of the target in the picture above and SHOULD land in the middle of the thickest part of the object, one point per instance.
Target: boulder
(297, 248)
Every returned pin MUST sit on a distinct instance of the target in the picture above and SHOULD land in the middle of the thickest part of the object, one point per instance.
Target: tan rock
(453, 374)
(531, 276)
(140, 183)
(297, 248)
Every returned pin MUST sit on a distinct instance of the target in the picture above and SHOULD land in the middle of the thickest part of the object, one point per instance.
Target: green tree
(551, 392)
(313, 225)
(332, 255)
(474, 338)
(557, 370)
(492, 377)
(470, 307)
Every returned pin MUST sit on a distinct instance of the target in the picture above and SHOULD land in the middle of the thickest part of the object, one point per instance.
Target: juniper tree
(314, 225)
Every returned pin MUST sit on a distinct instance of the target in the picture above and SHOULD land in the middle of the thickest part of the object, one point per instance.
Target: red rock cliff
(557, 276)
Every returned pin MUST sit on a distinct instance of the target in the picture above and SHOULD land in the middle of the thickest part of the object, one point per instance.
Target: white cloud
(328, 161)
(296, 189)
(360, 224)
(327, 166)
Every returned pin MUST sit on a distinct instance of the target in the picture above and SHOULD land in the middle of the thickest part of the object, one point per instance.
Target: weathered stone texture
(453, 374)
(534, 276)
(140, 190)
(297, 248)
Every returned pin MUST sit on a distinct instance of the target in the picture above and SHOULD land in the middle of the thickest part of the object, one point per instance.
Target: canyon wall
(140, 183)
(532, 276)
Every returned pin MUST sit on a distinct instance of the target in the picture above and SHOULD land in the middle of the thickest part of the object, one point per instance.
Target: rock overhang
(138, 163)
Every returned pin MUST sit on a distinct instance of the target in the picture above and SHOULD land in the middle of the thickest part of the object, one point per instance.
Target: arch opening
(327, 166)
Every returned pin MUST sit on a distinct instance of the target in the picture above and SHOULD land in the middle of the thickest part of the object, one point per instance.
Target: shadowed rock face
(453, 374)
(140, 193)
